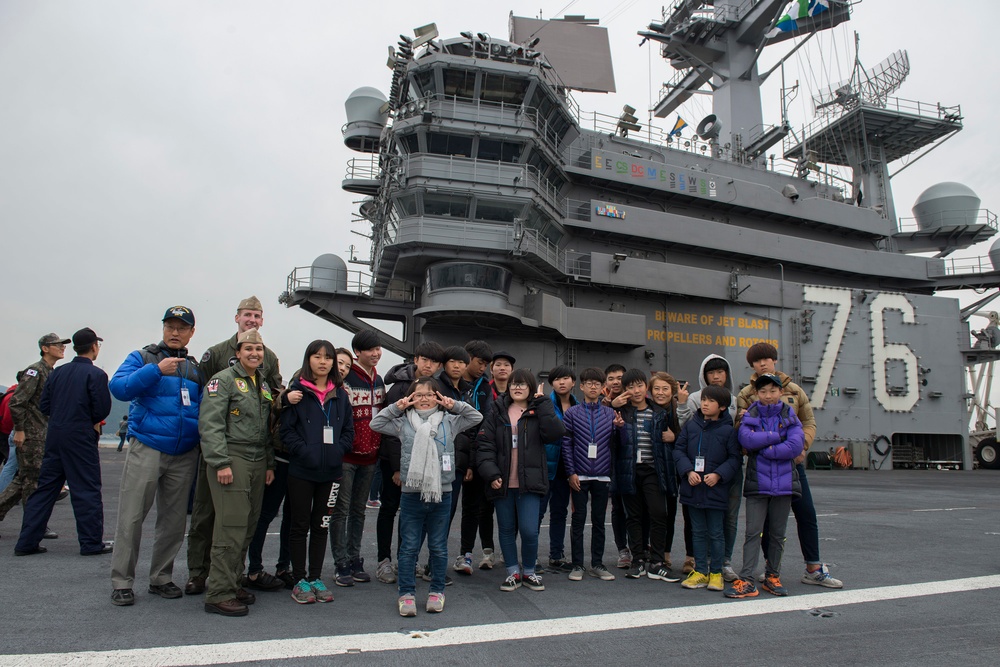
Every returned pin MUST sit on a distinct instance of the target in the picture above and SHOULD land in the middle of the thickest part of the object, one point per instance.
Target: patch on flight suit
(235, 412)
(232, 361)
(212, 387)
(241, 384)
(265, 391)
(31, 372)
(205, 357)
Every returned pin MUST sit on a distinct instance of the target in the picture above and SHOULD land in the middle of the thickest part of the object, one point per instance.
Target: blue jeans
(10, 467)
(557, 500)
(708, 539)
(417, 518)
(517, 503)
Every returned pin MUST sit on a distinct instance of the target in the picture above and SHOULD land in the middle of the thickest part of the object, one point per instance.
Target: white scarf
(424, 472)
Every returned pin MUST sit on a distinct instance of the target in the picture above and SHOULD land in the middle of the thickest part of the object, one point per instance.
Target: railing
(980, 216)
(960, 266)
(306, 278)
(364, 168)
(936, 111)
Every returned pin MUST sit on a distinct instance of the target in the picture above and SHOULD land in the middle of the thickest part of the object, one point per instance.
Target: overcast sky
(182, 152)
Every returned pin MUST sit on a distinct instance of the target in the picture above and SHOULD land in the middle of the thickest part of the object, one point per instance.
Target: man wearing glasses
(30, 424)
(164, 387)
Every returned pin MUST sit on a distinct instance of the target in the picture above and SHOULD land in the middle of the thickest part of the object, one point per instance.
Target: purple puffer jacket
(586, 423)
(773, 437)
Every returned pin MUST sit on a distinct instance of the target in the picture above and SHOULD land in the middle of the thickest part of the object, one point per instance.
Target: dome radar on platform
(366, 118)
(945, 205)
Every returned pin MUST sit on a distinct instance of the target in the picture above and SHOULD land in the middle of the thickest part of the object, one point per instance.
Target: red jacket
(365, 393)
(6, 421)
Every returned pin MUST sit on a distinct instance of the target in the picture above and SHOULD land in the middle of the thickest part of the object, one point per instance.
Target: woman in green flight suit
(236, 446)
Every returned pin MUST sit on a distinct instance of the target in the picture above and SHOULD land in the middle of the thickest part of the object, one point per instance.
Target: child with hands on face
(426, 423)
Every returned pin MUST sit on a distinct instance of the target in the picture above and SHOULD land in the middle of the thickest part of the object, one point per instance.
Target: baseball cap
(52, 339)
(182, 313)
(504, 355)
(767, 378)
(85, 337)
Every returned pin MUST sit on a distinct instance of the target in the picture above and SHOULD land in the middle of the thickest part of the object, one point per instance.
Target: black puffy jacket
(538, 425)
(302, 434)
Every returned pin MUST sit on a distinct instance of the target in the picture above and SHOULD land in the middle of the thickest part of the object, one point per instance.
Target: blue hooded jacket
(714, 440)
(553, 450)
(157, 417)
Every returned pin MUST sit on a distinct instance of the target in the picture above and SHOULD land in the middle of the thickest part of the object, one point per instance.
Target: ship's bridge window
(456, 206)
(410, 143)
(463, 275)
(423, 81)
(504, 88)
(501, 151)
(449, 144)
(406, 206)
(497, 211)
(459, 83)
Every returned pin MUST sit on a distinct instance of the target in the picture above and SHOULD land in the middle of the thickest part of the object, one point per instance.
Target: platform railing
(980, 216)
(960, 266)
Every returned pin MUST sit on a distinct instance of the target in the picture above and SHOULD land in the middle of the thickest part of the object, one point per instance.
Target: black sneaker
(533, 581)
(123, 597)
(263, 581)
(638, 569)
(560, 565)
(661, 572)
(286, 578)
(169, 590)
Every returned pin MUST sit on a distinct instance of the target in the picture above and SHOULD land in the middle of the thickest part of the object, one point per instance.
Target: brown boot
(195, 586)
(688, 565)
(245, 596)
(227, 608)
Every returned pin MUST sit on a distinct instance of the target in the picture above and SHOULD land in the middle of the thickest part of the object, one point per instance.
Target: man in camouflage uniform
(249, 316)
(30, 424)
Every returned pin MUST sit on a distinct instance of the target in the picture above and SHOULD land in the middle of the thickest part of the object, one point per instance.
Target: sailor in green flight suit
(236, 446)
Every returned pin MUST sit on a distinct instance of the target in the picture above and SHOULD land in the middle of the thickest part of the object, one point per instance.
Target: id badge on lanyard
(185, 397)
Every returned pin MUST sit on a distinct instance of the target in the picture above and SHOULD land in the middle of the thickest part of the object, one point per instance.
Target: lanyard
(326, 411)
(699, 442)
(593, 428)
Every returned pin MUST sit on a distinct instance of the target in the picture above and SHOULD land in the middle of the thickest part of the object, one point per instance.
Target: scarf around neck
(424, 472)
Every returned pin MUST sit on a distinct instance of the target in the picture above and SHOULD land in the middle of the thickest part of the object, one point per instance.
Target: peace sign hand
(682, 393)
(444, 401)
(405, 402)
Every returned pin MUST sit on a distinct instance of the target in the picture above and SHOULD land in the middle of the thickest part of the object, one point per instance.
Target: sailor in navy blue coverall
(76, 400)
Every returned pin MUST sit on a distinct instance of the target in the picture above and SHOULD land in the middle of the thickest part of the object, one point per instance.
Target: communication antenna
(870, 87)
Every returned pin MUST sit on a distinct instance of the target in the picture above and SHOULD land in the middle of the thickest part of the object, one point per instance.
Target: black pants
(477, 515)
(648, 497)
(310, 505)
(387, 513)
(597, 492)
(688, 535)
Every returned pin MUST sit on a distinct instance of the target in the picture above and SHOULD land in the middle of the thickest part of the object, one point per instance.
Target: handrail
(980, 216)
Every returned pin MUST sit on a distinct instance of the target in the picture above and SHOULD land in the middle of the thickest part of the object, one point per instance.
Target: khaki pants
(150, 474)
(237, 508)
(202, 520)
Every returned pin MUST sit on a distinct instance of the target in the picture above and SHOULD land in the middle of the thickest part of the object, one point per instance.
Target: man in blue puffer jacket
(164, 386)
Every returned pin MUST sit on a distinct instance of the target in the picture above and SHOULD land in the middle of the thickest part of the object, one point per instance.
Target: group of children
(636, 442)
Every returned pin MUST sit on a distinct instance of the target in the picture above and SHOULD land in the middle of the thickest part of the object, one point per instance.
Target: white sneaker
(384, 572)
(821, 577)
(576, 574)
(488, 561)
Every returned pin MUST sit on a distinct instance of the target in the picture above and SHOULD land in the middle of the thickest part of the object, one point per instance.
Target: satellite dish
(709, 127)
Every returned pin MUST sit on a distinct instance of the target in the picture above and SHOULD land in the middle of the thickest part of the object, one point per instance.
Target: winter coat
(792, 394)
(398, 379)
(586, 423)
(716, 442)
(158, 417)
(553, 450)
(478, 394)
(625, 454)
(301, 430)
(693, 405)
(393, 421)
(537, 426)
(367, 394)
(773, 437)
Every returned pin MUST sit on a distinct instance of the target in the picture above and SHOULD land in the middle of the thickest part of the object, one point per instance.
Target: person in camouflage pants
(30, 424)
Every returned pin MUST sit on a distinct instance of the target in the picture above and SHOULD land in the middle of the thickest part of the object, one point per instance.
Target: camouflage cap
(250, 303)
(249, 336)
(52, 339)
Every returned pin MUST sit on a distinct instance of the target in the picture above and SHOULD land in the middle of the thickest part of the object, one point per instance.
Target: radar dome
(366, 117)
(946, 204)
(328, 274)
(995, 255)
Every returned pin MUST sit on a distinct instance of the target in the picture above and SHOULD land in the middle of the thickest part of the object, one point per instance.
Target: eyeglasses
(416, 395)
(592, 383)
(177, 328)
(519, 385)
